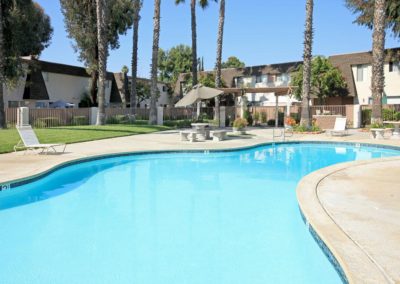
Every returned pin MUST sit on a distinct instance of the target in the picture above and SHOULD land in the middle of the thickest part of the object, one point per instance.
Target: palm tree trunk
(218, 62)
(154, 62)
(103, 52)
(2, 112)
(136, 17)
(194, 41)
(378, 53)
(308, 38)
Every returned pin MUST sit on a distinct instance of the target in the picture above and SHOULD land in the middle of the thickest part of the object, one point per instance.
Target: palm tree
(203, 4)
(308, 38)
(218, 62)
(378, 51)
(137, 5)
(103, 53)
(2, 113)
(154, 62)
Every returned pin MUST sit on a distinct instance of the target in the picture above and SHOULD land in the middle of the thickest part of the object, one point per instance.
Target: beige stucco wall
(392, 85)
(69, 88)
(59, 87)
(162, 100)
(14, 94)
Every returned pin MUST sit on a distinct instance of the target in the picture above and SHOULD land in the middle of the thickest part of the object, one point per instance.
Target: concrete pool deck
(354, 207)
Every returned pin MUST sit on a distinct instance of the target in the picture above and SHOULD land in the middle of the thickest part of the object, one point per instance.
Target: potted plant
(239, 125)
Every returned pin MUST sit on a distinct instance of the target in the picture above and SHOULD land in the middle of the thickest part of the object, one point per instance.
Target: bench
(218, 135)
(188, 135)
(377, 133)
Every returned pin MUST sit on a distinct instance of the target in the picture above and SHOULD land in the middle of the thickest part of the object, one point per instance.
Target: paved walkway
(354, 207)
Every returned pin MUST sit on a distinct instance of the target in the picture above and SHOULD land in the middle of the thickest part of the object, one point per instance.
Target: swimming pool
(209, 217)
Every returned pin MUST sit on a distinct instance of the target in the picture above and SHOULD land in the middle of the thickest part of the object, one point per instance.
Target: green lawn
(73, 134)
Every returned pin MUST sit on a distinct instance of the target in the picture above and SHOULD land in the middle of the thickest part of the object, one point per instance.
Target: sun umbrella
(198, 93)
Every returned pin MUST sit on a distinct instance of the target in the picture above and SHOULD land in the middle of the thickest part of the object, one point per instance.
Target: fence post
(22, 116)
(93, 115)
(357, 116)
(160, 115)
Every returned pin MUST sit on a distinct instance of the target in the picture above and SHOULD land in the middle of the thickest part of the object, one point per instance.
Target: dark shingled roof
(51, 67)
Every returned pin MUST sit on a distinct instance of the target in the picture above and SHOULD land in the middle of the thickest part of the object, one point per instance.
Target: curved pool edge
(11, 183)
(350, 259)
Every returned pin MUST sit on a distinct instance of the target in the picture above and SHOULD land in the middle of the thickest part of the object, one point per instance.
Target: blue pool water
(223, 217)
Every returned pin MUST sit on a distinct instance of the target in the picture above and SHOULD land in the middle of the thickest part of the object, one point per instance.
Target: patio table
(396, 132)
(201, 130)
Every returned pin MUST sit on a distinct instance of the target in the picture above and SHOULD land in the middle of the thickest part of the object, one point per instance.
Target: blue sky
(256, 31)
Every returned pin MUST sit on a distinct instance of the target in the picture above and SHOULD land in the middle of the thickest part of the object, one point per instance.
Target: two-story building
(357, 71)
(45, 84)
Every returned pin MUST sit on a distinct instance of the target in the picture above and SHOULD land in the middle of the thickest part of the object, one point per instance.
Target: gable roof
(58, 68)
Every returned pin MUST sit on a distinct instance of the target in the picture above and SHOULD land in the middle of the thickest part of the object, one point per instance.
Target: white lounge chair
(29, 141)
(339, 128)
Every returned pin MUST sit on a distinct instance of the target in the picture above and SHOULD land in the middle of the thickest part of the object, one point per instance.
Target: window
(164, 88)
(279, 78)
(271, 78)
(360, 73)
(394, 67)
(258, 79)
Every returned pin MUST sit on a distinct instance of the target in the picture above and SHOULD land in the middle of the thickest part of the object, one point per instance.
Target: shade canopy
(198, 93)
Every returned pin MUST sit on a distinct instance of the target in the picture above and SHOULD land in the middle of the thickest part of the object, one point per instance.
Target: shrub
(290, 121)
(39, 123)
(185, 123)
(256, 116)
(80, 120)
(47, 122)
(295, 116)
(240, 123)
(118, 119)
(263, 117)
(248, 117)
(397, 116)
(366, 116)
(271, 122)
(388, 114)
(303, 128)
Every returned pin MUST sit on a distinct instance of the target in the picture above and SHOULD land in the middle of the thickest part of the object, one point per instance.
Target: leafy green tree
(326, 80)
(173, 62)
(206, 79)
(81, 24)
(137, 5)
(154, 62)
(24, 30)
(307, 54)
(365, 11)
(233, 62)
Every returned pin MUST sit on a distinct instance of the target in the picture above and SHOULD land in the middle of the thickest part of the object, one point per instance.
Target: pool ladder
(283, 132)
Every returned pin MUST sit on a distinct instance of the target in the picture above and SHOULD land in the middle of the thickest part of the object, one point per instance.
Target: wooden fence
(41, 118)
